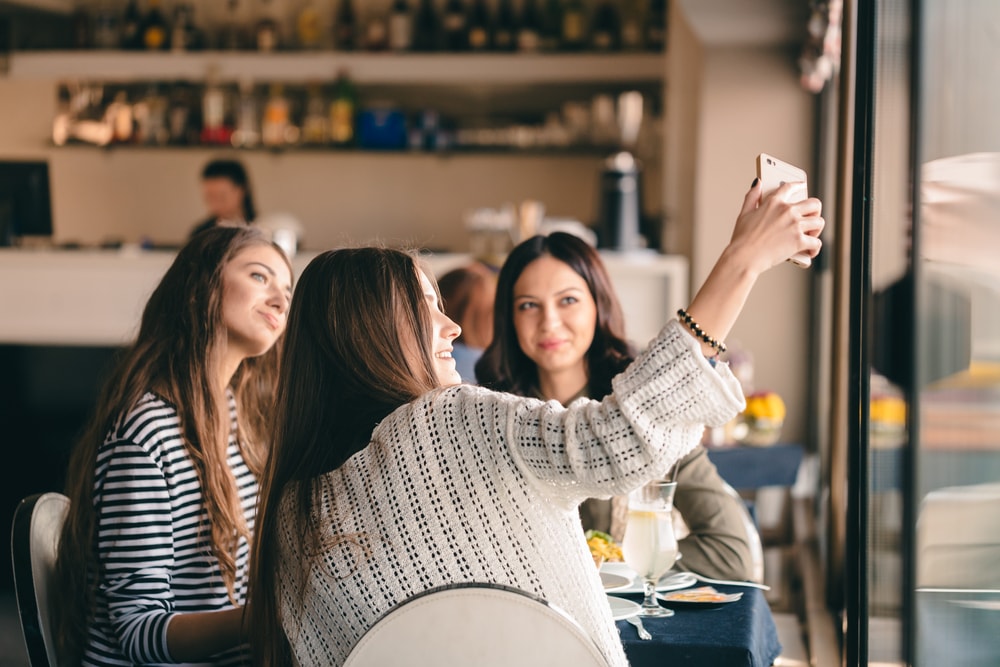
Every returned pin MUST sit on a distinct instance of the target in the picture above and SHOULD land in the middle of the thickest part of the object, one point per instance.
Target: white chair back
(958, 538)
(35, 532)
(477, 625)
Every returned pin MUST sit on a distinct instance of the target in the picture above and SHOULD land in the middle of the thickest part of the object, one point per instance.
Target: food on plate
(701, 594)
(603, 547)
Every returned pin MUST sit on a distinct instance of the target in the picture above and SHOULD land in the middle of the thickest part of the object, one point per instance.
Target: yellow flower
(888, 410)
(765, 405)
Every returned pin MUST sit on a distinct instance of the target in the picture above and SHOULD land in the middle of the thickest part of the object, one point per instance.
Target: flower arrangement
(764, 416)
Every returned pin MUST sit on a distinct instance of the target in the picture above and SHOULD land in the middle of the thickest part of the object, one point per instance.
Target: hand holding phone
(773, 173)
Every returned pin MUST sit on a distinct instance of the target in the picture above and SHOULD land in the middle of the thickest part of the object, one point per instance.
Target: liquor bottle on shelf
(529, 29)
(81, 26)
(119, 116)
(184, 35)
(181, 118)
(131, 24)
(656, 25)
(400, 26)
(215, 130)
(106, 27)
(551, 25)
(154, 29)
(345, 27)
(632, 25)
(247, 131)
(231, 36)
(574, 26)
(267, 36)
(479, 38)
(605, 33)
(505, 29)
(315, 126)
(376, 32)
(425, 27)
(454, 26)
(309, 26)
(150, 114)
(276, 121)
(343, 110)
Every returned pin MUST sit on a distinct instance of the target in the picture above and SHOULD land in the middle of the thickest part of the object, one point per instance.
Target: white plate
(613, 582)
(622, 608)
(671, 581)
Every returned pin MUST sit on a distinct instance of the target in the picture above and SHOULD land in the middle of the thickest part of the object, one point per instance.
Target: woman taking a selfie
(390, 477)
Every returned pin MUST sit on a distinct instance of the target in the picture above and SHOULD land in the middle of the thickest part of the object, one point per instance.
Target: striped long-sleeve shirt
(153, 539)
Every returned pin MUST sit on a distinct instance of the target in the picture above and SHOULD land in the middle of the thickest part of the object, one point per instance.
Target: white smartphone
(773, 173)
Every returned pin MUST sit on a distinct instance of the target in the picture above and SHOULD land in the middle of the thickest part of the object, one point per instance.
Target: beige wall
(751, 102)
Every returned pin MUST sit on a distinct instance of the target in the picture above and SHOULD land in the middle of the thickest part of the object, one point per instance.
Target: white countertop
(95, 297)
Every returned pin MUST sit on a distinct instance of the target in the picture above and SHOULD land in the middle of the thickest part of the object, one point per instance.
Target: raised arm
(765, 235)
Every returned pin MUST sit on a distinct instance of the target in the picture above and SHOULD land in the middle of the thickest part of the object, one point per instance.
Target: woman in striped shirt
(152, 564)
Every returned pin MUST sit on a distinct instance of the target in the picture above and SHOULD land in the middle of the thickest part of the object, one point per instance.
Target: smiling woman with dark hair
(559, 334)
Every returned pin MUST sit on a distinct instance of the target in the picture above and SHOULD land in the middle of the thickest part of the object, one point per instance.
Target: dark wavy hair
(505, 367)
(181, 340)
(356, 348)
(236, 173)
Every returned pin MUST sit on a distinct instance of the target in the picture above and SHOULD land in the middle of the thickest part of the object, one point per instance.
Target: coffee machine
(619, 224)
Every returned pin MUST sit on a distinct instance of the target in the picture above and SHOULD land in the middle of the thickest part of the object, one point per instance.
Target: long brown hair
(345, 366)
(505, 367)
(177, 352)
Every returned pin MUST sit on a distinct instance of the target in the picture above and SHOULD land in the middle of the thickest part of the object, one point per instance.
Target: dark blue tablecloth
(740, 633)
(747, 468)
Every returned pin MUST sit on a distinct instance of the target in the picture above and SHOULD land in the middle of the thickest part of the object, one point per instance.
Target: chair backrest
(958, 537)
(485, 625)
(35, 531)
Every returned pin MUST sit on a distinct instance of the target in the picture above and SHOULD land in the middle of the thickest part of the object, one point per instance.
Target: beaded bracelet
(716, 345)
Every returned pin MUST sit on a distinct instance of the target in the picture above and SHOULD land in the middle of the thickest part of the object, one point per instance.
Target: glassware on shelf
(650, 545)
(247, 131)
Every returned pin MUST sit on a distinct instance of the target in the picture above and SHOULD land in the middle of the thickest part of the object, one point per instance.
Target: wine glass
(650, 545)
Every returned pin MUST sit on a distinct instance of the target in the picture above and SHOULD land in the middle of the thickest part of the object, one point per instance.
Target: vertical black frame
(859, 336)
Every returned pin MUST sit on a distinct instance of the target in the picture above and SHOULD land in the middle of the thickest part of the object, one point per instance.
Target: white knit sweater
(469, 485)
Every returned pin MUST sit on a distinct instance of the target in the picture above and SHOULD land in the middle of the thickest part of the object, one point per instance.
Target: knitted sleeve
(655, 415)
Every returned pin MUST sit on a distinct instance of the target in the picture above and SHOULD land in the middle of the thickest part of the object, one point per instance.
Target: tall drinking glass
(650, 545)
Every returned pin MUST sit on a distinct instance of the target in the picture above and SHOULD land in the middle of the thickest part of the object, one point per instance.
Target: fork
(643, 633)
(727, 582)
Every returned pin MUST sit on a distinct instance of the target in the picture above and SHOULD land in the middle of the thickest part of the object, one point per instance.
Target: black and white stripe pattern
(153, 538)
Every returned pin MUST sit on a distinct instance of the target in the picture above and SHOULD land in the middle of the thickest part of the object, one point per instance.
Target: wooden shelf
(364, 68)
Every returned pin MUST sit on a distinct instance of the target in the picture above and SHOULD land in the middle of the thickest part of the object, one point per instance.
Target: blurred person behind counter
(225, 189)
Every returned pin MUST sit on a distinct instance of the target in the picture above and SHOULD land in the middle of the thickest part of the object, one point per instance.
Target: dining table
(733, 634)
